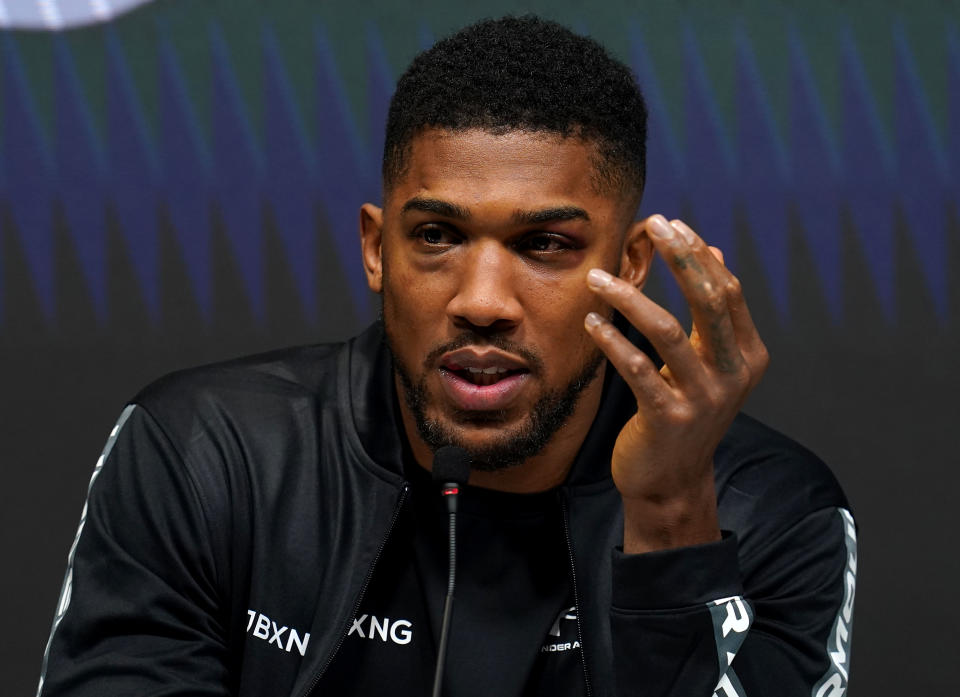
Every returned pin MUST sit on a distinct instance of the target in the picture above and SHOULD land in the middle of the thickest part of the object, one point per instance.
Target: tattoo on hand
(723, 355)
(682, 261)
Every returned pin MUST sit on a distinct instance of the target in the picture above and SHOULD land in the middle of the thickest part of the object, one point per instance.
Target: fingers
(660, 327)
(636, 368)
(751, 345)
(748, 338)
(704, 282)
(724, 342)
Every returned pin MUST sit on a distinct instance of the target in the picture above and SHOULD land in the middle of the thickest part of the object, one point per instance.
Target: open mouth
(482, 377)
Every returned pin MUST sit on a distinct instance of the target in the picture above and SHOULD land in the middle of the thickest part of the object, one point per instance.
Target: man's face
(481, 254)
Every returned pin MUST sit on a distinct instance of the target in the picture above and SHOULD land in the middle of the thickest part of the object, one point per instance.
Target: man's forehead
(476, 163)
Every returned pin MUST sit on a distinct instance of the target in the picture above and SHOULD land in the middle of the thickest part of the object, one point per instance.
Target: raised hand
(663, 458)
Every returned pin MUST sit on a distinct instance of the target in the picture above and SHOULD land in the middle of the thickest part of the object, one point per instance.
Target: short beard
(510, 449)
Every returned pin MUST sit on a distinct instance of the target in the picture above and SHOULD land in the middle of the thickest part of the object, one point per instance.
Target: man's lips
(482, 380)
(483, 359)
(472, 397)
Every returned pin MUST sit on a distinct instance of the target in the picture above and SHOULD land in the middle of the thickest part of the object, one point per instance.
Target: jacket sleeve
(138, 613)
(700, 621)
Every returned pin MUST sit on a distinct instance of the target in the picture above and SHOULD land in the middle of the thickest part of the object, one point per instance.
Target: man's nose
(486, 295)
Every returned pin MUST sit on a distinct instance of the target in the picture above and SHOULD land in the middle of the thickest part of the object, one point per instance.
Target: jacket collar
(373, 399)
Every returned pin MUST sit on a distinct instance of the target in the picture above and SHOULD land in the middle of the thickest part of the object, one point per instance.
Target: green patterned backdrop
(181, 184)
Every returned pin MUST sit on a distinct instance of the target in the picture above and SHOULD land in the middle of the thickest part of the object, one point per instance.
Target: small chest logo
(562, 635)
(281, 636)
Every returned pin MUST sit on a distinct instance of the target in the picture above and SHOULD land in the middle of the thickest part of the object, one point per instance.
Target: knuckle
(670, 331)
(733, 288)
(761, 361)
(656, 401)
(763, 355)
(680, 413)
(637, 364)
(713, 301)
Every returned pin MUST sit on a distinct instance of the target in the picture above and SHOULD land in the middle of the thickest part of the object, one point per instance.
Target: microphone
(451, 469)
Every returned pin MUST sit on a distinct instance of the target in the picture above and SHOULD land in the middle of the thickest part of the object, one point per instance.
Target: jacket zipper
(576, 592)
(363, 590)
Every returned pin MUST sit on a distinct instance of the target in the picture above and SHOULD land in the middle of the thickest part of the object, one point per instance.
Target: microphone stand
(451, 468)
(450, 491)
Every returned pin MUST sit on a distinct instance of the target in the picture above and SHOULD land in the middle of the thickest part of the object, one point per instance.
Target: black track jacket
(237, 513)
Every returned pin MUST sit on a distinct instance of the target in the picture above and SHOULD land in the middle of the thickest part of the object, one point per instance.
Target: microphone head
(451, 464)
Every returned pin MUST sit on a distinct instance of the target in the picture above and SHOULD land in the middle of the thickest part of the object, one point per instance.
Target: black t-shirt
(514, 628)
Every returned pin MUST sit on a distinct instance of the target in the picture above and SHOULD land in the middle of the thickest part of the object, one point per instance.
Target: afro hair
(523, 74)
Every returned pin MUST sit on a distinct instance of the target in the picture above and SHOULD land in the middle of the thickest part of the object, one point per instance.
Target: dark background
(181, 185)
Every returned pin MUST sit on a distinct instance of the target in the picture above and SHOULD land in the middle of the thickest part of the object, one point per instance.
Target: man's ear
(637, 255)
(371, 245)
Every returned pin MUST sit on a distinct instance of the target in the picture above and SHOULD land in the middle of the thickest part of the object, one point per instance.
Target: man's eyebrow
(437, 206)
(550, 215)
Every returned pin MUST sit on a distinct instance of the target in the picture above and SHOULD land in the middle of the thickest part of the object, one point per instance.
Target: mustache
(472, 338)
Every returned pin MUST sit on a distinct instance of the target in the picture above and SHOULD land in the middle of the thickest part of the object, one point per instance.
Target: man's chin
(494, 440)
(482, 421)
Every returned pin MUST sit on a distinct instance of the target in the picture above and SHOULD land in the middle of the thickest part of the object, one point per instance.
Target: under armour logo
(569, 614)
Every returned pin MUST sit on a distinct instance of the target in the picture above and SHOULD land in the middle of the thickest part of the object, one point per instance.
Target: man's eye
(543, 243)
(432, 236)
(435, 236)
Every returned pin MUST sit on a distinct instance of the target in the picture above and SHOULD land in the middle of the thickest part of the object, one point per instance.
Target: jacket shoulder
(257, 386)
(235, 425)
(768, 482)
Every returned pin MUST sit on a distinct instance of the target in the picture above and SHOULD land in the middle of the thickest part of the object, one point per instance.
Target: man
(268, 526)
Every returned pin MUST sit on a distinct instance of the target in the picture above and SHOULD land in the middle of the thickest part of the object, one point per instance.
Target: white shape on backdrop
(60, 14)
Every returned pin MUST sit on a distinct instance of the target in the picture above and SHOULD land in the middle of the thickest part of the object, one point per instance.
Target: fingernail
(659, 227)
(592, 320)
(685, 233)
(598, 278)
